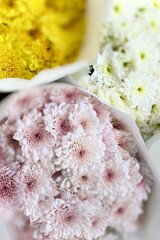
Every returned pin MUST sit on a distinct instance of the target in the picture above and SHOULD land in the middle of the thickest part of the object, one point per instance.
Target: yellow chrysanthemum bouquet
(45, 40)
(49, 33)
(36, 35)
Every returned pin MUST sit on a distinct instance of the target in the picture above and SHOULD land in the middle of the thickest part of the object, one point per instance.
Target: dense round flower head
(50, 33)
(126, 73)
(76, 164)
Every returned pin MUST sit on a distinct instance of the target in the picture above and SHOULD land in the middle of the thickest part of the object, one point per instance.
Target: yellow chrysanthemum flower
(35, 35)
(11, 63)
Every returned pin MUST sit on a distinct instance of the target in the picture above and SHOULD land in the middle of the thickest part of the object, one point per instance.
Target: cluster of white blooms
(71, 167)
(127, 74)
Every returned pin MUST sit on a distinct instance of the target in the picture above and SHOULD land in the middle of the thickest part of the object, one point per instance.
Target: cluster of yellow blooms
(39, 34)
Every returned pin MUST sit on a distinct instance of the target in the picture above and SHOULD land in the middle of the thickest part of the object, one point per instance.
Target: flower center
(30, 184)
(109, 175)
(84, 124)
(64, 127)
(38, 136)
(81, 153)
(140, 89)
(143, 55)
(95, 223)
(84, 178)
(120, 211)
(117, 124)
(70, 217)
(70, 96)
(117, 8)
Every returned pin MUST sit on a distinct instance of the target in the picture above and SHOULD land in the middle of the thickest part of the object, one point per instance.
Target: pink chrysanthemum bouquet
(70, 166)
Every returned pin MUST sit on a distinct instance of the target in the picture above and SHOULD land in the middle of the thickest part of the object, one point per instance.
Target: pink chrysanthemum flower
(99, 222)
(68, 219)
(9, 188)
(37, 186)
(124, 214)
(71, 95)
(116, 180)
(36, 181)
(87, 181)
(134, 172)
(83, 115)
(80, 152)
(56, 119)
(35, 141)
(7, 132)
(147, 176)
(126, 141)
(101, 110)
(141, 194)
(117, 124)
(25, 102)
(111, 148)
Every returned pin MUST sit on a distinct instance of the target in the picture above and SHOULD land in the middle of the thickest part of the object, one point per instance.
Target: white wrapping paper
(150, 229)
(88, 52)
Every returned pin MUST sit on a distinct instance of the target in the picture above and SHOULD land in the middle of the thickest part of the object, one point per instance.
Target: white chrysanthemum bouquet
(127, 74)
(71, 166)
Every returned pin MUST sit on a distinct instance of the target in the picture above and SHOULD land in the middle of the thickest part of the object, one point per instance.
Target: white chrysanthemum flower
(140, 90)
(113, 65)
(105, 70)
(152, 19)
(116, 180)
(36, 143)
(84, 115)
(142, 117)
(117, 98)
(79, 152)
(67, 219)
(141, 49)
(120, 9)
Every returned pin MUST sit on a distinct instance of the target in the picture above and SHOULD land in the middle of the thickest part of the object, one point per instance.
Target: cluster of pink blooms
(70, 166)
